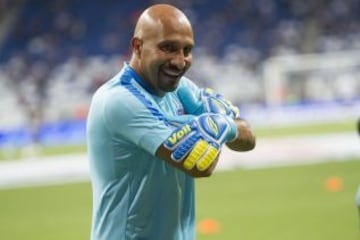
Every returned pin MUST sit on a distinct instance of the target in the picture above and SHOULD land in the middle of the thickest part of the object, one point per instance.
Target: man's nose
(179, 61)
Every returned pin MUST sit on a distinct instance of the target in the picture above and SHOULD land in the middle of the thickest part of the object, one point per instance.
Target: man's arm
(191, 144)
(246, 140)
(209, 101)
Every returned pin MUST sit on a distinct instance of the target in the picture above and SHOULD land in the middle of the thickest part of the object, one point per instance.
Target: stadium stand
(54, 54)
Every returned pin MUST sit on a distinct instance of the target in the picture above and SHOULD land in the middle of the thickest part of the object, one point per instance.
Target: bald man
(151, 131)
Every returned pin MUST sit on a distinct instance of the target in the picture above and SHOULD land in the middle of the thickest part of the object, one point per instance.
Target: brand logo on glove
(219, 105)
(213, 126)
(177, 136)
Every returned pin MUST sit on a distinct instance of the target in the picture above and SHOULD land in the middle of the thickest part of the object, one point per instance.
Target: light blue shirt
(135, 194)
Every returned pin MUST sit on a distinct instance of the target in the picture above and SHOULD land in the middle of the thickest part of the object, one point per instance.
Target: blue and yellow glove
(207, 102)
(198, 141)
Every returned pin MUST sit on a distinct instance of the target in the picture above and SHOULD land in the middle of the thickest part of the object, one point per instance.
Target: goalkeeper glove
(198, 141)
(208, 101)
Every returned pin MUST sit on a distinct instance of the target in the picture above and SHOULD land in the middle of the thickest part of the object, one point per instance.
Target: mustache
(175, 70)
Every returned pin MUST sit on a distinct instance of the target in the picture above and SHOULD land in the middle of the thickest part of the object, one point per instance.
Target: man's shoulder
(110, 92)
(115, 86)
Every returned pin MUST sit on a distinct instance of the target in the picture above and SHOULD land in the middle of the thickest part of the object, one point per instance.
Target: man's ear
(136, 45)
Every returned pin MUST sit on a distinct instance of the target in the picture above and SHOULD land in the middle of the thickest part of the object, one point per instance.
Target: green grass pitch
(260, 204)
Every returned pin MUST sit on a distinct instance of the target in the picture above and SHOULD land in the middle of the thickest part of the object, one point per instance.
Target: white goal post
(325, 76)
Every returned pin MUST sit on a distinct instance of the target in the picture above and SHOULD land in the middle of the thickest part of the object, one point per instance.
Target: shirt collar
(129, 70)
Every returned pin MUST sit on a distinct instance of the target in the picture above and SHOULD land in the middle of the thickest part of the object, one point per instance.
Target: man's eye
(187, 50)
(167, 48)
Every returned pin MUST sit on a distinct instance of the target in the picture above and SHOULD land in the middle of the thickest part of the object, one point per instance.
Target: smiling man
(151, 131)
(162, 45)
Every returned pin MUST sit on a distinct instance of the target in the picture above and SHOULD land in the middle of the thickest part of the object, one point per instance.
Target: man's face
(166, 54)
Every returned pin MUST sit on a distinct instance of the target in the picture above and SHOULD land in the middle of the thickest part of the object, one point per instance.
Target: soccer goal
(312, 77)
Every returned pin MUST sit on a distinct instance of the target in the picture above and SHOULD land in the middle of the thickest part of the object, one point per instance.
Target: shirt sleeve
(187, 83)
(189, 94)
(132, 118)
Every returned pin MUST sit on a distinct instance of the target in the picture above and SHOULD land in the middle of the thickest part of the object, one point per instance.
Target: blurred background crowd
(54, 54)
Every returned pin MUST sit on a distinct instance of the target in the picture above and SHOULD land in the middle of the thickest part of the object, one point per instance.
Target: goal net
(312, 78)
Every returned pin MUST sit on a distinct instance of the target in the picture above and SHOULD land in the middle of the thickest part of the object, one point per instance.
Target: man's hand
(199, 141)
(207, 102)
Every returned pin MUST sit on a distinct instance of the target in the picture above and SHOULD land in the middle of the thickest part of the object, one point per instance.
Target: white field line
(268, 153)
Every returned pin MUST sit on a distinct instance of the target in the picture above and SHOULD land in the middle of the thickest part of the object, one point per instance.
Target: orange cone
(334, 184)
(208, 226)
